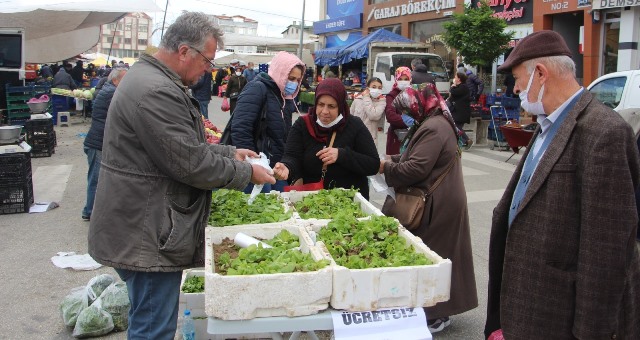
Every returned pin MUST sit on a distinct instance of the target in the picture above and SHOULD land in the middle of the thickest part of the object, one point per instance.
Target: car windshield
(434, 63)
(609, 91)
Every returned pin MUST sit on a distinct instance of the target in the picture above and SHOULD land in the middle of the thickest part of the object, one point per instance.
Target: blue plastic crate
(511, 102)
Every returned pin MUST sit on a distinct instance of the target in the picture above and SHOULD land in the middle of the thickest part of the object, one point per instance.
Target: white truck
(618, 90)
(386, 57)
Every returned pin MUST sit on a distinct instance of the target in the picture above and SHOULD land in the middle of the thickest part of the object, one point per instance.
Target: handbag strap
(441, 177)
(324, 166)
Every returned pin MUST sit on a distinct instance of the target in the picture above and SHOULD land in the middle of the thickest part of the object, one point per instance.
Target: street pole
(301, 30)
(164, 19)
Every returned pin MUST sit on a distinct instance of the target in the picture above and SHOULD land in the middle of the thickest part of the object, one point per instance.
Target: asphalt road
(32, 287)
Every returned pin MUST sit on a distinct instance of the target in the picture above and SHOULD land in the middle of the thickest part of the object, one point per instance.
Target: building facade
(237, 24)
(602, 34)
(126, 38)
(293, 32)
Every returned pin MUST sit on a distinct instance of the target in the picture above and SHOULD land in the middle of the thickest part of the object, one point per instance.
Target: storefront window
(611, 41)
(373, 2)
(397, 29)
(431, 32)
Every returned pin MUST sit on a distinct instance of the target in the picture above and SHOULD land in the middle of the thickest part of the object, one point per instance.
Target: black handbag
(259, 134)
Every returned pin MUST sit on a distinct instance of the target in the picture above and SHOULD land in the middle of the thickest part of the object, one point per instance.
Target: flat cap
(536, 45)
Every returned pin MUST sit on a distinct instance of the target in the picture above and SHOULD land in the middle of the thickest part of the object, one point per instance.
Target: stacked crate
(16, 186)
(17, 97)
(41, 137)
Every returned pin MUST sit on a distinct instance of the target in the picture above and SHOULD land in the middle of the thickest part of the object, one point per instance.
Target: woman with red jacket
(403, 80)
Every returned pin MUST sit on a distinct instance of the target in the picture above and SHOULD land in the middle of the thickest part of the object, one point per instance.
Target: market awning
(357, 50)
(360, 48)
(327, 56)
(55, 32)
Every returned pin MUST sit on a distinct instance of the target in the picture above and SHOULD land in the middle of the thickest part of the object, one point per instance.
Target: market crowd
(563, 257)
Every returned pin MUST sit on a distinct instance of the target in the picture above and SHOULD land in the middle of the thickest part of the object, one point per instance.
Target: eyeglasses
(211, 63)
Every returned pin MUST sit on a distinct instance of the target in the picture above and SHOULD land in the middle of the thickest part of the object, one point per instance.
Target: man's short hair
(116, 73)
(192, 29)
(415, 62)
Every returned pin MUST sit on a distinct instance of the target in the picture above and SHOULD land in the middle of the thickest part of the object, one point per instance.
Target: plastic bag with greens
(73, 304)
(93, 321)
(97, 285)
(115, 301)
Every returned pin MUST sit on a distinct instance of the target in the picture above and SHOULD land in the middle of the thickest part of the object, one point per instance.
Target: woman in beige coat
(430, 147)
(369, 106)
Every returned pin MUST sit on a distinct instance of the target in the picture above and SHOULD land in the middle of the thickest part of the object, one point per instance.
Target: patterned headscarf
(421, 105)
(334, 88)
(403, 71)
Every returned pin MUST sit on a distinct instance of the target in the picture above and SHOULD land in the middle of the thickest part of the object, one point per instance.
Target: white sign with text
(383, 324)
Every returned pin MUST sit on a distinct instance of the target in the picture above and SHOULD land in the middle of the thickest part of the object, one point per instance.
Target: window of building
(112, 26)
(228, 29)
(136, 54)
(109, 39)
(119, 27)
(127, 27)
(373, 2)
(142, 41)
(143, 28)
(127, 40)
(397, 29)
(611, 42)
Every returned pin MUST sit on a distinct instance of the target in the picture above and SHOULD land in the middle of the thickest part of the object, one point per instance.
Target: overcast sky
(273, 16)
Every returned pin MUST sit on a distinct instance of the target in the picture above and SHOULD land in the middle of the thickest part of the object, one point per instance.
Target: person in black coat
(93, 140)
(353, 155)
(202, 92)
(77, 73)
(460, 105)
(274, 93)
(420, 74)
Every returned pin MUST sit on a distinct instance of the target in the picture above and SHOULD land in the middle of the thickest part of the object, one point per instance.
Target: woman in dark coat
(430, 148)
(460, 100)
(274, 93)
(349, 161)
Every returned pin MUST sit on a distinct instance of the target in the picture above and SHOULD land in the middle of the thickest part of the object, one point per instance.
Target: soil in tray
(227, 246)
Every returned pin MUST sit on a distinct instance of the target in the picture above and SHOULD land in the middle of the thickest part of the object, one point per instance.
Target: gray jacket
(153, 197)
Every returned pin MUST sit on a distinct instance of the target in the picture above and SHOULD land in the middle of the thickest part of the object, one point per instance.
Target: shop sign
(584, 3)
(512, 11)
(338, 24)
(410, 8)
(344, 8)
(603, 4)
(557, 5)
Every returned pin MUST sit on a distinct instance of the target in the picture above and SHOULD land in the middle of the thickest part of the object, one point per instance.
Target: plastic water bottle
(188, 328)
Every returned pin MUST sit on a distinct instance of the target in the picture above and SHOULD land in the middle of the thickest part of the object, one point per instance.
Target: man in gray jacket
(154, 194)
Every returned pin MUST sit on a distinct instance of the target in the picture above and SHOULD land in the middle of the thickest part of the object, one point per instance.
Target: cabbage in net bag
(73, 304)
(93, 321)
(115, 301)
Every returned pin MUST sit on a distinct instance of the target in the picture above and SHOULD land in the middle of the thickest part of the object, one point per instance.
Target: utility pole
(164, 19)
(301, 30)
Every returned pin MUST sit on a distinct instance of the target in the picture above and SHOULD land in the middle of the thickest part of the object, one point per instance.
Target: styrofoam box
(242, 297)
(277, 225)
(192, 301)
(296, 196)
(360, 290)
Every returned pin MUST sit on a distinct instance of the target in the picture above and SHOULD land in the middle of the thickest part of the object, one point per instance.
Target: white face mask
(238, 73)
(403, 84)
(535, 108)
(375, 93)
(335, 121)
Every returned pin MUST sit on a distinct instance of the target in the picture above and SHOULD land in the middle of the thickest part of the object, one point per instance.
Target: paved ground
(32, 287)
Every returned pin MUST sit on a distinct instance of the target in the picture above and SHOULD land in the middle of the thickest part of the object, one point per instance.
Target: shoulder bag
(410, 202)
(311, 186)
(259, 132)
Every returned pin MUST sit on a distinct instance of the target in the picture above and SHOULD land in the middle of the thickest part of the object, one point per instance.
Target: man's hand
(241, 154)
(260, 175)
(381, 168)
(328, 155)
(281, 171)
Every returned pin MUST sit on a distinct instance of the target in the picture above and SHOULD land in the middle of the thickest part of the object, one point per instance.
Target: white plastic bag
(97, 285)
(264, 162)
(93, 321)
(379, 183)
(73, 304)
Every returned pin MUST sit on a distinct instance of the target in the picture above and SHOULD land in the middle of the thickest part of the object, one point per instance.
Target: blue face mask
(290, 88)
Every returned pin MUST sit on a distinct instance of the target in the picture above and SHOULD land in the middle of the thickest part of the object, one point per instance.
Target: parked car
(618, 90)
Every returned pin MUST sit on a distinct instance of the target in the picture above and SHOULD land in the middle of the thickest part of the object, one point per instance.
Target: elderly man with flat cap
(563, 262)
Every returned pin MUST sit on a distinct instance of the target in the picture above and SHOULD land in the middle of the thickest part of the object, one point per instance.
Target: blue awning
(357, 50)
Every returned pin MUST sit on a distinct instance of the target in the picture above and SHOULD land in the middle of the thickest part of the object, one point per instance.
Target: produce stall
(300, 296)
